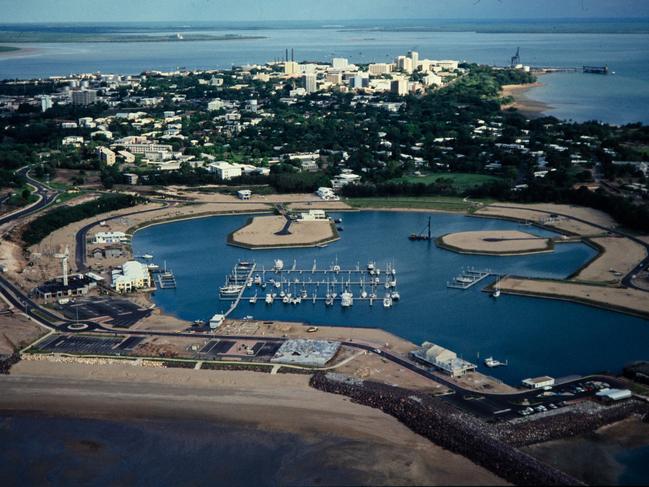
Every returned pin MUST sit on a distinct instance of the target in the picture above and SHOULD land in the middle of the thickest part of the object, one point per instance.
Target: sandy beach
(375, 445)
(527, 106)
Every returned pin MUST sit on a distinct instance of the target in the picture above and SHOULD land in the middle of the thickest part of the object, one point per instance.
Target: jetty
(469, 278)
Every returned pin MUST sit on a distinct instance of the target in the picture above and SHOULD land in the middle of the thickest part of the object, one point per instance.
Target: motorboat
(269, 298)
(346, 299)
(230, 290)
(387, 301)
(395, 295)
(496, 292)
(253, 300)
(286, 300)
(370, 266)
(279, 264)
(492, 362)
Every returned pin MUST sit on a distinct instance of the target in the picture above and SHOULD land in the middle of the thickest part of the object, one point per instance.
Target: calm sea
(619, 98)
(536, 336)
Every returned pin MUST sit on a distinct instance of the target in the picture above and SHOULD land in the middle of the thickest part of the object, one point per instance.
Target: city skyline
(251, 10)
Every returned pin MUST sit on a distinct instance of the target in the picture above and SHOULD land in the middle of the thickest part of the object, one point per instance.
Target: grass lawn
(444, 203)
(461, 181)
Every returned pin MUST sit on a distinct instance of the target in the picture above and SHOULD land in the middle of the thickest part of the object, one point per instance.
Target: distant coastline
(56, 37)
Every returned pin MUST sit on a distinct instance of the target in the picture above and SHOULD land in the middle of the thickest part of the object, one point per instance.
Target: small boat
(492, 362)
(338, 220)
(346, 299)
(279, 264)
(340, 228)
(387, 301)
(286, 300)
(329, 300)
(147, 256)
(257, 279)
(496, 292)
(253, 300)
(395, 295)
(230, 290)
(278, 284)
(363, 294)
(269, 298)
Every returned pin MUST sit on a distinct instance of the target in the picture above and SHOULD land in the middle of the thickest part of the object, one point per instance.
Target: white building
(327, 194)
(76, 140)
(539, 382)
(310, 83)
(443, 359)
(244, 194)
(225, 170)
(110, 238)
(339, 63)
(313, 215)
(399, 86)
(291, 68)
(46, 103)
(216, 104)
(379, 68)
(133, 275)
(345, 178)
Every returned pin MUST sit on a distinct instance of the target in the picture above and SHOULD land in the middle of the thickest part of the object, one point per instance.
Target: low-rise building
(133, 275)
(244, 194)
(309, 353)
(443, 359)
(313, 215)
(225, 170)
(110, 238)
(539, 382)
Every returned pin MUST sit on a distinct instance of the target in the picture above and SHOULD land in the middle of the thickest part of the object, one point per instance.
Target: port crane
(422, 236)
(516, 58)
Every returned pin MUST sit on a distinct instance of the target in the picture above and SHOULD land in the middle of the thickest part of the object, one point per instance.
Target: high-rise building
(46, 103)
(84, 97)
(399, 87)
(404, 64)
(414, 55)
(310, 83)
(340, 63)
(379, 68)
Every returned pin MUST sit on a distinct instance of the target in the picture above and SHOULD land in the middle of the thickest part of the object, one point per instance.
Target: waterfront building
(84, 97)
(110, 238)
(106, 156)
(312, 215)
(133, 275)
(539, 382)
(443, 359)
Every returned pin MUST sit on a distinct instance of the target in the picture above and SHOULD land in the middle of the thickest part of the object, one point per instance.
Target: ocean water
(620, 98)
(537, 336)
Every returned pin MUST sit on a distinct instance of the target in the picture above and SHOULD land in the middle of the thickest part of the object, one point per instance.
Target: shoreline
(527, 106)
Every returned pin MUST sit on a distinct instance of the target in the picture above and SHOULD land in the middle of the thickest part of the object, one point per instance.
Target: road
(46, 196)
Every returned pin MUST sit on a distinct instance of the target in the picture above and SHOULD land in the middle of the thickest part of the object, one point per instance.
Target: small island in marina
(499, 242)
(274, 231)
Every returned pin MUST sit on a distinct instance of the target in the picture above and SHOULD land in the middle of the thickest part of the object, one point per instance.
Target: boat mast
(429, 228)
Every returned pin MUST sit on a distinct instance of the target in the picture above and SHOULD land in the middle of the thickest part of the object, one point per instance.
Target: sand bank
(499, 242)
(385, 450)
(267, 232)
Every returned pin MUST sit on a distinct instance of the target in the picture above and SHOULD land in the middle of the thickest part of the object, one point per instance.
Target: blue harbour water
(619, 98)
(537, 336)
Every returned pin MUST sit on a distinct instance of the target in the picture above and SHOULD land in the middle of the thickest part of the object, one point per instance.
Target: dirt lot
(501, 242)
(16, 331)
(620, 254)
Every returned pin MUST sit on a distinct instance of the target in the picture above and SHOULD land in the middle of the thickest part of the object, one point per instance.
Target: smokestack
(287, 54)
(292, 55)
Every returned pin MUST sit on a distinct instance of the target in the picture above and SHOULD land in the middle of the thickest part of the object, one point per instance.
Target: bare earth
(620, 254)
(261, 233)
(513, 242)
(629, 300)
(115, 391)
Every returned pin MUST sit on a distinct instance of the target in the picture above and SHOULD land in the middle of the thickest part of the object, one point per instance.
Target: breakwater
(580, 419)
(448, 427)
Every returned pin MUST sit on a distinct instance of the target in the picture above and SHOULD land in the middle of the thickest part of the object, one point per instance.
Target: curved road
(46, 196)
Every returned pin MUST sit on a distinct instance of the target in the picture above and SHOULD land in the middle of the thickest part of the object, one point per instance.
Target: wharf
(166, 280)
(469, 278)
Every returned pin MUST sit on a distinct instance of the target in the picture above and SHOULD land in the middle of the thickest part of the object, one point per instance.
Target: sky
(262, 10)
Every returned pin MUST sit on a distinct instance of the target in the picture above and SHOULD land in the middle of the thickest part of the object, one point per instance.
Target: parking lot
(80, 345)
(117, 312)
(239, 348)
